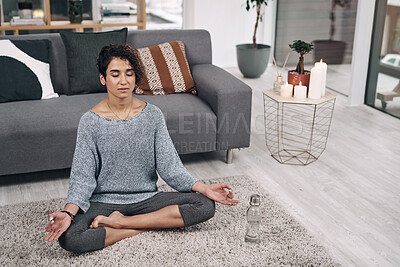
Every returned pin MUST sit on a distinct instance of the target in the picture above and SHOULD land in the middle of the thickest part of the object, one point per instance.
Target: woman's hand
(59, 223)
(221, 193)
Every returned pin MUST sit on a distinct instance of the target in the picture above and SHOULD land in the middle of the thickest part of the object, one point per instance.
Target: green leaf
(255, 3)
(301, 47)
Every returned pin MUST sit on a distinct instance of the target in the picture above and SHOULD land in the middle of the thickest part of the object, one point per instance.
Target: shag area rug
(217, 242)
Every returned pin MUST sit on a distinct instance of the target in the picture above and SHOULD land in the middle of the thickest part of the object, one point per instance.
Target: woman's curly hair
(121, 51)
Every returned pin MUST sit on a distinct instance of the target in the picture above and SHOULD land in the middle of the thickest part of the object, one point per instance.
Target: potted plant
(331, 51)
(253, 58)
(75, 11)
(299, 74)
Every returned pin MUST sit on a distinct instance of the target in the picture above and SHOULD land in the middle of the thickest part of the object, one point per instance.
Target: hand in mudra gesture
(59, 223)
(221, 193)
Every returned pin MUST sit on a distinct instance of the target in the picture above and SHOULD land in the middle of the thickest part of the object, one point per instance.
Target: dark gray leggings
(194, 208)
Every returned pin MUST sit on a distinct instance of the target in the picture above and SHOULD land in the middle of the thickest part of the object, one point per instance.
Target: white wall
(229, 24)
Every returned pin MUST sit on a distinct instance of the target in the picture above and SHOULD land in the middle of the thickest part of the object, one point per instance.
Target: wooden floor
(349, 199)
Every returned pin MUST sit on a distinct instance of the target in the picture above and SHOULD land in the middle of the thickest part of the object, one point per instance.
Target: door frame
(376, 47)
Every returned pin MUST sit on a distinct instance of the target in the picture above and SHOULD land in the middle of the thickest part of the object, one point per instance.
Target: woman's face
(120, 78)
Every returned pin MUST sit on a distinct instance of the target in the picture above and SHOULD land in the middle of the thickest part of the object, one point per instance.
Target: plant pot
(75, 11)
(252, 62)
(295, 78)
(25, 10)
(331, 52)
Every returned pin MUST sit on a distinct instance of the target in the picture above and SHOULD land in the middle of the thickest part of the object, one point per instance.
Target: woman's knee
(208, 208)
(82, 242)
(70, 242)
(205, 207)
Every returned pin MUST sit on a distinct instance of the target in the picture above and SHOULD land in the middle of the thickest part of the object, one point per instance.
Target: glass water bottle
(253, 216)
(277, 84)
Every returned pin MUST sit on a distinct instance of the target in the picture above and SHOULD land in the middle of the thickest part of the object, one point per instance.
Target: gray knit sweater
(115, 161)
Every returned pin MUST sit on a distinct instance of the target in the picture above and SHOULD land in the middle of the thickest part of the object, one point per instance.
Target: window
(164, 14)
(383, 84)
(329, 25)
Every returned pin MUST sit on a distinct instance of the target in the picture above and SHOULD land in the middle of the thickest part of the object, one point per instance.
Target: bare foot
(112, 221)
(115, 235)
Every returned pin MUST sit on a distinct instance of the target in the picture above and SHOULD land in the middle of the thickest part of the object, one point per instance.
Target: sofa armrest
(230, 99)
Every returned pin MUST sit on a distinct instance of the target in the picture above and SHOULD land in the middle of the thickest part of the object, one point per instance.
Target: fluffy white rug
(217, 242)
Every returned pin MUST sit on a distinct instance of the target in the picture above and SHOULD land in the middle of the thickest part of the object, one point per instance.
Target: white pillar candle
(286, 90)
(300, 91)
(324, 67)
(316, 83)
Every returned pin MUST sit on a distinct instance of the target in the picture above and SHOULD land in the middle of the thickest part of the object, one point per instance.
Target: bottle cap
(255, 200)
(279, 79)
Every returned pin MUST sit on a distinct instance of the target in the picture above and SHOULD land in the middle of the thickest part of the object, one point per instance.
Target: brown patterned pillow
(167, 70)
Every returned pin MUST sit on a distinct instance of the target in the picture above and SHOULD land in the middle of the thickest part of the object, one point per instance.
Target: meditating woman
(122, 144)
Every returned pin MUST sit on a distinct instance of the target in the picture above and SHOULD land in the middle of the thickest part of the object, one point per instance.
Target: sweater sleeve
(168, 164)
(85, 165)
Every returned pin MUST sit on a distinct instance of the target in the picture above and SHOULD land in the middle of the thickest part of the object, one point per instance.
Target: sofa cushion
(57, 57)
(41, 135)
(82, 50)
(24, 70)
(197, 42)
(186, 115)
(50, 141)
(167, 70)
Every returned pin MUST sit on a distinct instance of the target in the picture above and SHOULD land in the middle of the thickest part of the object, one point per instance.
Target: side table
(296, 131)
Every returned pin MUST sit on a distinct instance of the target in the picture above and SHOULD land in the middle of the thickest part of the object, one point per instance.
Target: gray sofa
(40, 135)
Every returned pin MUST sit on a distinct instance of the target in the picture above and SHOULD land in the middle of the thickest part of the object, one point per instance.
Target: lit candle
(286, 90)
(316, 83)
(324, 67)
(300, 91)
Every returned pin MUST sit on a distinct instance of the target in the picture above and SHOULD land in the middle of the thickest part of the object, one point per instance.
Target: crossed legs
(119, 226)
(104, 224)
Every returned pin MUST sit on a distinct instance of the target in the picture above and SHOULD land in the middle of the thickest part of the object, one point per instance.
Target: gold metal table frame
(296, 131)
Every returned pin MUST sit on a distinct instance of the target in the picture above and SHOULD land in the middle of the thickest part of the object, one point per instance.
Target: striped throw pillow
(167, 70)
